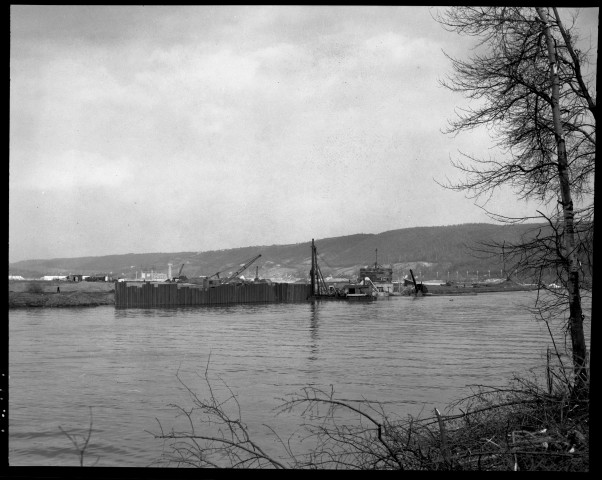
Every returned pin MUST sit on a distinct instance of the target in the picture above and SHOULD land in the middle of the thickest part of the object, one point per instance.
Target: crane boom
(242, 268)
(180, 277)
(418, 288)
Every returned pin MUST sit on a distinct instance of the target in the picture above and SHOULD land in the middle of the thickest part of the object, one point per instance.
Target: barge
(363, 290)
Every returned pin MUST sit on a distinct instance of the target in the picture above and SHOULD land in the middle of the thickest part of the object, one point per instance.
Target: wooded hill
(433, 251)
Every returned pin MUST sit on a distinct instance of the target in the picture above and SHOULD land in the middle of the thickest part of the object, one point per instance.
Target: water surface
(410, 354)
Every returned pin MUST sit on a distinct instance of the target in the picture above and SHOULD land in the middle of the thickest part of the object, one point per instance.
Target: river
(411, 354)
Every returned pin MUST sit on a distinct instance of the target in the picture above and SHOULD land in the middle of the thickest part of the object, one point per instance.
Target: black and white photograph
(299, 237)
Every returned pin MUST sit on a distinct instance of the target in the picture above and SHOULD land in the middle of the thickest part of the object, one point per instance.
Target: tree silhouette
(530, 91)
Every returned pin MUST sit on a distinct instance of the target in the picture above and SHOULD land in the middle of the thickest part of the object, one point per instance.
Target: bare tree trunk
(575, 312)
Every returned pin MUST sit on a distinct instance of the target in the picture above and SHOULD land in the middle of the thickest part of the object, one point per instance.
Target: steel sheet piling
(147, 295)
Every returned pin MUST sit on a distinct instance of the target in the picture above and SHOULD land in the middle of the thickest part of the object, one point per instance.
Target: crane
(216, 274)
(418, 288)
(208, 282)
(180, 277)
(242, 268)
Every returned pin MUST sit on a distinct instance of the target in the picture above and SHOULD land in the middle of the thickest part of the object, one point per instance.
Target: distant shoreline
(469, 289)
(58, 294)
(59, 300)
(92, 294)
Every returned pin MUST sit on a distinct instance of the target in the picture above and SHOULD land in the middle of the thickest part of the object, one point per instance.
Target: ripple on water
(410, 355)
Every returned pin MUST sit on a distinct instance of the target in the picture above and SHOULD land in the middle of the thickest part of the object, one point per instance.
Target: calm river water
(411, 354)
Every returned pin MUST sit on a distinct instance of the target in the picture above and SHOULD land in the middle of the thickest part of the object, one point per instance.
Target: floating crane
(419, 289)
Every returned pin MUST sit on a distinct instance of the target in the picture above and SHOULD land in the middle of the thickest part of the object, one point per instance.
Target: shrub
(519, 427)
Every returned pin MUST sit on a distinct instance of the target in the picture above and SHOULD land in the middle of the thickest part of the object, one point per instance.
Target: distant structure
(99, 277)
(379, 275)
(153, 276)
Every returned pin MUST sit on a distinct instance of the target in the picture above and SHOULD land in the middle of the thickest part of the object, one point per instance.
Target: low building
(54, 277)
(99, 277)
(153, 276)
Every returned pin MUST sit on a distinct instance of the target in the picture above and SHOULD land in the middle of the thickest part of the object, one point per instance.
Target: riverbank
(57, 294)
(476, 288)
(70, 299)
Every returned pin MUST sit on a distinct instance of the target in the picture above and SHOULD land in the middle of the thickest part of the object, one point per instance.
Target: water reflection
(403, 353)
(121, 313)
(313, 330)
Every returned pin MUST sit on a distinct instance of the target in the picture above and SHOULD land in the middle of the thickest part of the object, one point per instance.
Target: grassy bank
(40, 293)
(474, 289)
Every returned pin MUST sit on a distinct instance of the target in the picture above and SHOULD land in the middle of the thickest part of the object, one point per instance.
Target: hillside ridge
(434, 251)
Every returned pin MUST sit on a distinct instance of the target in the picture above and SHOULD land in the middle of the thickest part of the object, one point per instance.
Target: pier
(149, 295)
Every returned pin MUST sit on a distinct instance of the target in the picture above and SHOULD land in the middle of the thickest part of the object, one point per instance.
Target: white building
(153, 276)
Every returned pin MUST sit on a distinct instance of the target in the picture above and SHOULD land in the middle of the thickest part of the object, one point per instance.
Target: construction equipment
(180, 277)
(368, 281)
(242, 268)
(208, 282)
(318, 285)
(419, 289)
(219, 281)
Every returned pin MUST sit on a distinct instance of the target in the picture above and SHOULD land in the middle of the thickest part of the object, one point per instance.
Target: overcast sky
(167, 129)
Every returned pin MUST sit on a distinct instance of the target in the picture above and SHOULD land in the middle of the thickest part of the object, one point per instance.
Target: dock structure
(149, 295)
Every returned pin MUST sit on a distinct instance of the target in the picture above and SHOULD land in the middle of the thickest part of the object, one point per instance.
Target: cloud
(250, 124)
(72, 170)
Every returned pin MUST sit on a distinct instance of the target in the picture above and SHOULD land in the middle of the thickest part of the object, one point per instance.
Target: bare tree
(81, 450)
(530, 91)
(497, 428)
